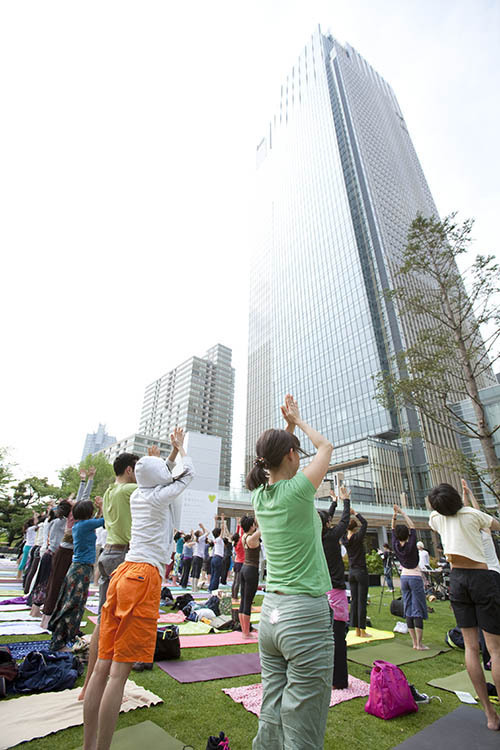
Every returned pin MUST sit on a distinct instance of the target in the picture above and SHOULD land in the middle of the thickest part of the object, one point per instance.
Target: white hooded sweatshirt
(156, 507)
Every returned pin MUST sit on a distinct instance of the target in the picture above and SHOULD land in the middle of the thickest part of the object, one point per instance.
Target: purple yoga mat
(212, 668)
(16, 600)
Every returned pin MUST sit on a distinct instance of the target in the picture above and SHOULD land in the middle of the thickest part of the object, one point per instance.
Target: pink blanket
(251, 695)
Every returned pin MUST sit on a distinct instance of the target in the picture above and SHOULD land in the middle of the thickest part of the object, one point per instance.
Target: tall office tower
(96, 441)
(198, 395)
(339, 183)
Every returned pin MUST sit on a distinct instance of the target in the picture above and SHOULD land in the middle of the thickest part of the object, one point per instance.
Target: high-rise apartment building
(198, 395)
(339, 183)
(96, 441)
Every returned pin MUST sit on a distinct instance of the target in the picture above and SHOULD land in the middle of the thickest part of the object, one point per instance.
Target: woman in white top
(474, 590)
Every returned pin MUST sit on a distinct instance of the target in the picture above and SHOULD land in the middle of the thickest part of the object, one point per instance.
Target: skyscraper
(96, 441)
(339, 183)
(198, 395)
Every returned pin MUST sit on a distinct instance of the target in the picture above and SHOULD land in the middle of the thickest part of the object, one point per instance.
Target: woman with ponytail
(295, 631)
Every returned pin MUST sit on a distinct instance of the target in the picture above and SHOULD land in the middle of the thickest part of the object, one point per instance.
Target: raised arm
(83, 477)
(406, 517)
(340, 529)
(468, 496)
(316, 470)
(333, 504)
(90, 482)
(171, 491)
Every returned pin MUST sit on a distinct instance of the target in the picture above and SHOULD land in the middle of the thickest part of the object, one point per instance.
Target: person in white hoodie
(129, 616)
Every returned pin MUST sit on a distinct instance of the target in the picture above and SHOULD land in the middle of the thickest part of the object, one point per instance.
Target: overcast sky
(127, 168)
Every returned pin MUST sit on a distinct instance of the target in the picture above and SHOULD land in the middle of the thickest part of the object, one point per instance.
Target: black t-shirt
(355, 546)
(331, 546)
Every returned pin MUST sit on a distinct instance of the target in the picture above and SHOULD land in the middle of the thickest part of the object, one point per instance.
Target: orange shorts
(129, 616)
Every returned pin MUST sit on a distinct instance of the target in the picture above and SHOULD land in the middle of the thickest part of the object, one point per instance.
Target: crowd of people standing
(301, 658)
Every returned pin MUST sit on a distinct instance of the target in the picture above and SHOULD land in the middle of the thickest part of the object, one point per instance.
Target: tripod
(383, 587)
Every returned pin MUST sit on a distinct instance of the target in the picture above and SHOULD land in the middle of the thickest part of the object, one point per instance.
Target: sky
(127, 179)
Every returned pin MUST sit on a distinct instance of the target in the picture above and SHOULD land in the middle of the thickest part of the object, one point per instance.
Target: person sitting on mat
(337, 596)
(474, 590)
(404, 544)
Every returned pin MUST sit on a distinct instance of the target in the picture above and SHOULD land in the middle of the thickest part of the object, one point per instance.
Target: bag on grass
(397, 607)
(223, 622)
(225, 604)
(213, 604)
(168, 645)
(182, 600)
(454, 638)
(46, 672)
(8, 670)
(390, 693)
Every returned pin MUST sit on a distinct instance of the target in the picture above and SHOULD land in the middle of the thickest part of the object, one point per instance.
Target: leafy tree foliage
(448, 360)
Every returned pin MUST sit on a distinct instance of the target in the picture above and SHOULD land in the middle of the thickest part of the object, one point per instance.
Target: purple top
(407, 553)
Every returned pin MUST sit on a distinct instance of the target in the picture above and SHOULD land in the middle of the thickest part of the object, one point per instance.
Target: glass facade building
(96, 441)
(339, 183)
(198, 395)
(470, 446)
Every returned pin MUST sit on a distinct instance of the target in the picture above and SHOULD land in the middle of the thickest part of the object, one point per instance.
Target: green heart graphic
(212, 498)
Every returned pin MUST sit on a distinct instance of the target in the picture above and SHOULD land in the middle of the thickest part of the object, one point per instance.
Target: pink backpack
(390, 694)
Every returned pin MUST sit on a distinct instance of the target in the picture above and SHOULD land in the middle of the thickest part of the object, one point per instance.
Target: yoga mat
(21, 628)
(11, 616)
(250, 696)
(19, 649)
(465, 727)
(232, 638)
(376, 635)
(12, 608)
(145, 734)
(178, 617)
(395, 652)
(458, 681)
(213, 668)
(5, 600)
(30, 716)
(10, 592)
(193, 628)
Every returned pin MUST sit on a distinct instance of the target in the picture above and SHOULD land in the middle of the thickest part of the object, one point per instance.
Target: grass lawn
(192, 712)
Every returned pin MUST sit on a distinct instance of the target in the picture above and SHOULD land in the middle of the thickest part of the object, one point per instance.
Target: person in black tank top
(249, 571)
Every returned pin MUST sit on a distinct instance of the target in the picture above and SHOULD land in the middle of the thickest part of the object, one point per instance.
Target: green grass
(192, 712)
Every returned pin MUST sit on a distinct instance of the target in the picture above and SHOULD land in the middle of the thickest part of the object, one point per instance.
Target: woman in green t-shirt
(295, 631)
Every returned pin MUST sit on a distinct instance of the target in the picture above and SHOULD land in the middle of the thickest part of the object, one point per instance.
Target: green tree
(70, 476)
(448, 360)
(16, 507)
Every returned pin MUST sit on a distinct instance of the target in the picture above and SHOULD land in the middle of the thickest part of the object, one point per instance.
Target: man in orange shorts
(129, 616)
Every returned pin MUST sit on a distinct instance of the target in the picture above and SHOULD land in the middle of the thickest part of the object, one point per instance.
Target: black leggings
(186, 567)
(236, 579)
(415, 622)
(358, 581)
(249, 585)
(196, 566)
(340, 675)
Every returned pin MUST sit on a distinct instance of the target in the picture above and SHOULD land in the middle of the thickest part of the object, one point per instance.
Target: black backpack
(182, 600)
(168, 645)
(397, 608)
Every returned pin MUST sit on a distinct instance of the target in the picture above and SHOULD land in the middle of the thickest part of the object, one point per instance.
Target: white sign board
(200, 500)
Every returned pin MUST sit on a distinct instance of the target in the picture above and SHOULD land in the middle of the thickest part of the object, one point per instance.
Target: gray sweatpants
(296, 654)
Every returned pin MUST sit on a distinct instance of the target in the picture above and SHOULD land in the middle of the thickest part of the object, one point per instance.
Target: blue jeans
(215, 571)
(415, 603)
(388, 578)
(296, 654)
